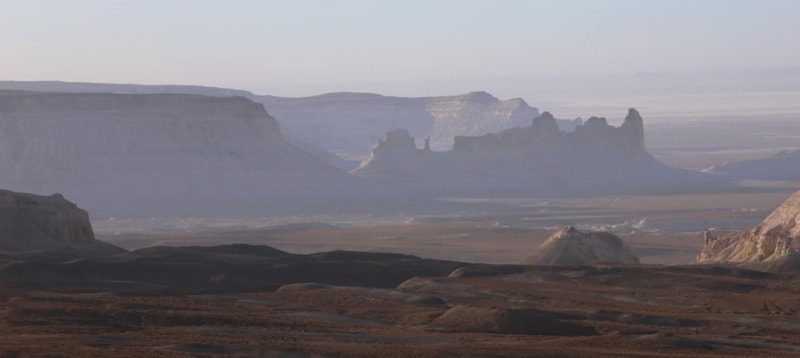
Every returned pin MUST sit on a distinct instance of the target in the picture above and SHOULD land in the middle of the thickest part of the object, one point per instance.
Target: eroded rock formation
(568, 246)
(594, 158)
(776, 238)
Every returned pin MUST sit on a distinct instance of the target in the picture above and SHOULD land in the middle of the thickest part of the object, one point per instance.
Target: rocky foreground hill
(774, 245)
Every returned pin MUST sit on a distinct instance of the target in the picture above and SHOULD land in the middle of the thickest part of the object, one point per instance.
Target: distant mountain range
(145, 151)
(348, 124)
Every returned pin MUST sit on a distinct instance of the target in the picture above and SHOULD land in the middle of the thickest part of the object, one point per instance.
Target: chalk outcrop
(569, 247)
(777, 238)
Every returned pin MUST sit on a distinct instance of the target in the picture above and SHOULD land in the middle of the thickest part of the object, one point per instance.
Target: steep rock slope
(777, 238)
(349, 123)
(568, 246)
(45, 223)
(152, 154)
(595, 158)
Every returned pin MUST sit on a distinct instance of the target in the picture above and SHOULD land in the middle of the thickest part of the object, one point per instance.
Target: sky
(563, 54)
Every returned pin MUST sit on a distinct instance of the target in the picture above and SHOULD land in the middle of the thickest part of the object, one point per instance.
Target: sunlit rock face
(595, 158)
(143, 154)
(568, 246)
(33, 222)
(776, 238)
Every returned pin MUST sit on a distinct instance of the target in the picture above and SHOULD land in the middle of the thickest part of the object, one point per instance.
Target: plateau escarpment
(540, 158)
(349, 123)
(773, 245)
(153, 154)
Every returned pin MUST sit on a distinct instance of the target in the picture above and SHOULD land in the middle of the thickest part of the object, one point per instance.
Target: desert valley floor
(307, 289)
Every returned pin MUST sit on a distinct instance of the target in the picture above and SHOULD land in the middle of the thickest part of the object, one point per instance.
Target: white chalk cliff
(776, 238)
(568, 246)
(594, 158)
(152, 154)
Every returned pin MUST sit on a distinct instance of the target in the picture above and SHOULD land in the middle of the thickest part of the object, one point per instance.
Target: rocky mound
(46, 225)
(776, 239)
(568, 246)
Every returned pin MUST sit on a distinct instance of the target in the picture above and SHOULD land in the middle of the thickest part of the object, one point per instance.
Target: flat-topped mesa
(33, 222)
(138, 154)
(777, 237)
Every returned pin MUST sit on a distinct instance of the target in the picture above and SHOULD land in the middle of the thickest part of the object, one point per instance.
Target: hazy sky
(431, 47)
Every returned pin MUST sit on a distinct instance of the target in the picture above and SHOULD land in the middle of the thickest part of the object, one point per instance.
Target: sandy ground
(660, 229)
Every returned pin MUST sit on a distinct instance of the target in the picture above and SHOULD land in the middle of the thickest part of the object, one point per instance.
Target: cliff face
(32, 222)
(777, 237)
(349, 123)
(134, 153)
(568, 246)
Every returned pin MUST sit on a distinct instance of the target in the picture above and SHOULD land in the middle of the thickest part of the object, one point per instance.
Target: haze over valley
(451, 178)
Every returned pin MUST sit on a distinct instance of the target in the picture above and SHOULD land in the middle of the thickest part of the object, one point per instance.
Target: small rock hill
(569, 247)
(777, 238)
